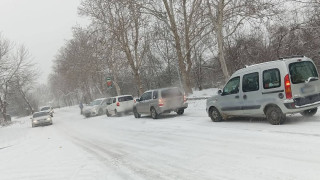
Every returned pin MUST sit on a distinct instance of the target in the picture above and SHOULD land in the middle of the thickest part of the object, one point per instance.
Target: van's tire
(154, 113)
(275, 116)
(100, 112)
(136, 114)
(215, 115)
(309, 112)
(180, 111)
(107, 113)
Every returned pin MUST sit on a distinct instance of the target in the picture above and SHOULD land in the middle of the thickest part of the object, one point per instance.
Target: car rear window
(167, 93)
(301, 71)
(45, 108)
(125, 98)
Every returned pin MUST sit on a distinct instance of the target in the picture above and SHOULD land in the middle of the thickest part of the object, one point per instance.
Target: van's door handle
(237, 97)
(244, 96)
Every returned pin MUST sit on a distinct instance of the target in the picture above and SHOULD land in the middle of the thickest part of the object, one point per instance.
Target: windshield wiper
(311, 79)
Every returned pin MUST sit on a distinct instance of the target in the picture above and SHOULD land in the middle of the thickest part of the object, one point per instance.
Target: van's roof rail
(294, 56)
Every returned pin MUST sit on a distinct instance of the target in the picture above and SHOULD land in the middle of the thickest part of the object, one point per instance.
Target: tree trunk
(220, 40)
(137, 80)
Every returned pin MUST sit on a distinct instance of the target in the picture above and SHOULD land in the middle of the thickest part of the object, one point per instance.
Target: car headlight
(48, 119)
(34, 121)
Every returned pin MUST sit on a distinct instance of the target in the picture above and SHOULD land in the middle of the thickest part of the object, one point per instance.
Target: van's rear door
(173, 98)
(305, 83)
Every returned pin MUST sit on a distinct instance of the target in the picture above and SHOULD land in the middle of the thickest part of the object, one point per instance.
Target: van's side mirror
(220, 92)
(137, 100)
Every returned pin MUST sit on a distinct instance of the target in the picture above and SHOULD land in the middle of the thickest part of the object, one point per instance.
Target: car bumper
(165, 109)
(41, 123)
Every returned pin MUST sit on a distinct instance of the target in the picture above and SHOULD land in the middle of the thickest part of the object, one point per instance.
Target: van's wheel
(154, 113)
(215, 114)
(180, 111)
(107, 113)
(100, 112)
(309, 112)
(275, 115)
(116, 113)
(136, 114)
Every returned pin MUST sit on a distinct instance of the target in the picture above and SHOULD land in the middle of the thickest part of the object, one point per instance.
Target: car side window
(155, 94)
(232, 87)
(114, 100)
(146, 96)
(250, 82)
(271, 78)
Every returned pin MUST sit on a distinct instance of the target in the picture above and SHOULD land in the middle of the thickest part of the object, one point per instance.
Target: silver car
(95, 108)
(41, 118)
(158, 101)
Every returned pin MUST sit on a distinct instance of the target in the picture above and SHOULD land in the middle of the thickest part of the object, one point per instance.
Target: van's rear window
(167, 93)
(125, 98)
(301, 71)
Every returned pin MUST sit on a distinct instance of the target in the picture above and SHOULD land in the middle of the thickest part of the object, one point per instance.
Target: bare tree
(228, 15)
(187, 24)
(124, 20)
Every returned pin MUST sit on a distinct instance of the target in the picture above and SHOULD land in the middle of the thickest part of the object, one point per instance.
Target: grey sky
(43, 26)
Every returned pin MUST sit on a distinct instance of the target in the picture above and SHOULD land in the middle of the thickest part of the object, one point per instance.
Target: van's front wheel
(309, 112)
(215, 115)
(275, 115)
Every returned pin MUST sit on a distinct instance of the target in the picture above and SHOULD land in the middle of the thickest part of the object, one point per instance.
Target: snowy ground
(173, 147)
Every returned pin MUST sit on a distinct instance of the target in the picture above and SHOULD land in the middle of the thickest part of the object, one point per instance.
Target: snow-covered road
(173, 147)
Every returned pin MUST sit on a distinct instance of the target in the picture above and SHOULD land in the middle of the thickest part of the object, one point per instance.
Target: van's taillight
(118, 104)
(184, 98)
(161, 102)
(287, 87)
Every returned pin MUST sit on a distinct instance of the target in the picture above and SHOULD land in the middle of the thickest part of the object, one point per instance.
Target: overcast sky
(43, 26)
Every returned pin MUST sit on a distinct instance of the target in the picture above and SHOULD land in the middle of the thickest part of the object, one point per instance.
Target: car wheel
(309, 112)
(100, 112)
(215, 115)
(275, 115)
(180, 111)
(107, 113)
(154, 113)
(136, 114)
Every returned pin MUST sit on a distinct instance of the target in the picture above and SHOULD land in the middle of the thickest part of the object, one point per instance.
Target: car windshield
(167, 93)
(301, 71)
(39, 114)
(44, 108)
(95, 102)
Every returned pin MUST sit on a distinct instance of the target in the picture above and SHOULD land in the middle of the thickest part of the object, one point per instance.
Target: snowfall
(175, 147)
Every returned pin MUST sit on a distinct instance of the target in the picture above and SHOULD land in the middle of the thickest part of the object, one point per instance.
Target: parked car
(47, 109)
(158, 101)
(272, 90)
(41, 118)
(119, 105)
(95, 108)
(7, 119)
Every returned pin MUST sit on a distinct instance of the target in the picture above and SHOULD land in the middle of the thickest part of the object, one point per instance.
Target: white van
(272, 89)
(119, 105)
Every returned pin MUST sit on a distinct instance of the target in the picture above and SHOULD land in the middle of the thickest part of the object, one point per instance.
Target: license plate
(307, 90)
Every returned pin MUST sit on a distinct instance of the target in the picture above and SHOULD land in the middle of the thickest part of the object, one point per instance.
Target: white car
(41, 118)
(271, 89)
(95, 108)
(119, 105)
